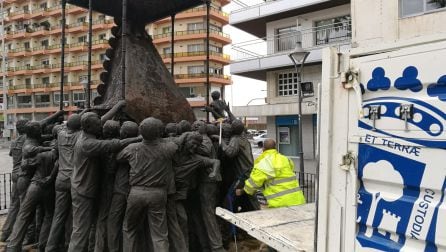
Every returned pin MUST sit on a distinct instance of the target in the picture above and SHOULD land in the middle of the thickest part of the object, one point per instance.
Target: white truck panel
(399, 163)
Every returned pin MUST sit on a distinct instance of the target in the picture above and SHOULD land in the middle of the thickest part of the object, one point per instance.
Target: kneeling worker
(273, 174)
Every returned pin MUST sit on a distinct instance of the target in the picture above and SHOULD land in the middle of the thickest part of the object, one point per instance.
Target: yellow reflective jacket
(273, 174)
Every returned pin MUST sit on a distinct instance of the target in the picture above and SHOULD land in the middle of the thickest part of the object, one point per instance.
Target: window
(56, 98)
(83, 78)
(195, 69)
(287, 84)
(216, 49)
(102, 57)
(46, 62)
(188, 92)
(167, 29)
(24, 101)
(167, 50)
(101, 17)
(44, 43)
(286, 38)
(77, 97)
(195, 26)
(102, 36)
(215, 70)
(46, 80)
(195, 48)
(9, 46)
(28, 81)
(414, 7)
(333, 30)
(215, 28)
(81, 19)
(27, 45)
(42, 98)
(43, 6)
(10, 101)
(82, 39)
(26, 8)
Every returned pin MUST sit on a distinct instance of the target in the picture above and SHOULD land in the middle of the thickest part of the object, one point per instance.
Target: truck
(382, 141)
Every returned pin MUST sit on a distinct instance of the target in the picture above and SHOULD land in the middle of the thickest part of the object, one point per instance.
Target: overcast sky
(243, 90)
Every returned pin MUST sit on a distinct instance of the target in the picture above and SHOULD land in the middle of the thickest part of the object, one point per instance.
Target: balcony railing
(190, 32)
(200, 9)
(240, 5)
(53, 66)
(201, 75)
(192, 54)
(313, 38)
(24, 105)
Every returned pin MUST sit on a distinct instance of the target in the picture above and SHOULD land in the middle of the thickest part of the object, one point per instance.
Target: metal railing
(308, 186)
(191, 54)
(189, 32)
(202, 75)
(201, 8)
(313, 38)
(5, 191)
(244, 5)
(53, 66)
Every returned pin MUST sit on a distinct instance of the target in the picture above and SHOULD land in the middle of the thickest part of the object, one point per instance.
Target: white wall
(379, 21)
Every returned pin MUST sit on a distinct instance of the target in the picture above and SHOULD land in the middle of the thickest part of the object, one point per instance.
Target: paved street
(5, 161)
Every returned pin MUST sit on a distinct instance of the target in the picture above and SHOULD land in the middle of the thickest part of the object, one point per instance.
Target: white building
(279, 25)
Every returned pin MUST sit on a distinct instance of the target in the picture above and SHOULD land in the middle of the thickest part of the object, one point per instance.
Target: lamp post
(247, 104)
(298, 57)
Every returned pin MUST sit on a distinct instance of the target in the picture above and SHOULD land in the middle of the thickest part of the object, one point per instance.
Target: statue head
(91, 124)
(211, 129)
(110, 129)
(171, 129)
(74, 122)
(237, 127)
(151, 128)
(33, 130)
(129, 129)
(21, 126)
(183, 126)
(200, 127)
(215, 95)
(226, 130)
(192, 141)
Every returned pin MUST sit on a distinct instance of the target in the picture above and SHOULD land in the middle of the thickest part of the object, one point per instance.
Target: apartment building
(32, 35)
(279, 26)
(189, 49)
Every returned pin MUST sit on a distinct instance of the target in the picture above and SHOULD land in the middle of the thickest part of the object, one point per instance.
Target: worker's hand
(239, 192)
(212, 176)
(121, 104)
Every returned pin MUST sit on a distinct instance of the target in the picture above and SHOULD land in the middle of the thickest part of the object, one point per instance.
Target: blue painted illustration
(438, 89)
(409, 80)
(379, 80)
(390, 185)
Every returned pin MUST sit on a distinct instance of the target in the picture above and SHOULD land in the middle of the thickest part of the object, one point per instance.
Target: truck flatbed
(284, 229)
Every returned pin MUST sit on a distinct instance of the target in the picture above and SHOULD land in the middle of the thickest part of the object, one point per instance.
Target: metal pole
(172, 46)
(124, 46)
(62, 55)
(90, 41)
(208, 85)
(300, 142)
(5, 102)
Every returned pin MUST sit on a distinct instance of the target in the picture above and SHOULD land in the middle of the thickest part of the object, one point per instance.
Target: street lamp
(298, 57)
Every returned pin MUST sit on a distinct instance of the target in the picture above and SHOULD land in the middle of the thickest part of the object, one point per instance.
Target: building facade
(32, 35)
(189, 46)
(280, 25)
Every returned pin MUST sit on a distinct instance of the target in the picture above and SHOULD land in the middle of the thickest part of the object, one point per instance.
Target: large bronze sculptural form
(149, 88)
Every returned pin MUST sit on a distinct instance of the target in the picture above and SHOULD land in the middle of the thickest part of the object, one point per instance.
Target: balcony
(55, 49)
(196, 56)
(253, 58)
(18, 15)
(192, 35)
(198, 12)
(53, 68)
(27, 32)
(201, 78)
(253, 18)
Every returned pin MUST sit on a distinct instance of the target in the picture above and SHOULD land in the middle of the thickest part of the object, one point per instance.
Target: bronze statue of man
(16, 153)
(84, 181)
(149, 164)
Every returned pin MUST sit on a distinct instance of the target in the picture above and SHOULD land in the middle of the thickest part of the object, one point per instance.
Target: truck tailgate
(284, 229)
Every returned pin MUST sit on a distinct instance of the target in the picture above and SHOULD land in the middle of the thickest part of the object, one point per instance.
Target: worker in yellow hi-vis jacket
(274, 176)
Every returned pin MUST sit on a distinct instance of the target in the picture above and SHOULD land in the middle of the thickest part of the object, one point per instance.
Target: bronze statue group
(96, 184)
